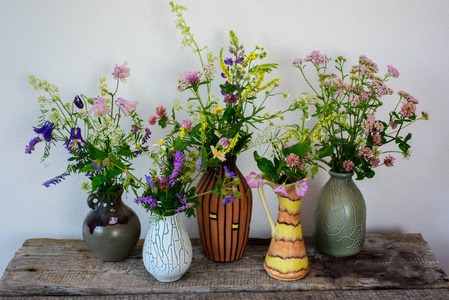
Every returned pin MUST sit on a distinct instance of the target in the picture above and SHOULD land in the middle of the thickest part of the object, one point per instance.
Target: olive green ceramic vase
(339, 223)
(111, 229)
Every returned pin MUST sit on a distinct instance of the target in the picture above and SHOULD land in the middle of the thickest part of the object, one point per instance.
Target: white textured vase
(167, 250)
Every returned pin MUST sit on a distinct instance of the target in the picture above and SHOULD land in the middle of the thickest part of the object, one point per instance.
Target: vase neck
(337, 175)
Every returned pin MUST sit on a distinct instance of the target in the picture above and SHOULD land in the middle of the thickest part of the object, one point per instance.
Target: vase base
(286, 276)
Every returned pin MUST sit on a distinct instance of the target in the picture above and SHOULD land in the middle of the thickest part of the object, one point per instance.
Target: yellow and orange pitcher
(286, 258)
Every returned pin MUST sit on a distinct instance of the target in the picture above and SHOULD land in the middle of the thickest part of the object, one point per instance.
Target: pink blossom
(393, 71)
(408, 109)
(316, 58)
(126, 106)
(224, 141)
(363, 60)
(161, 112)
(374, 161)
(348, 165)
(280, 190)
(389, 161)
(231, 99)
(292, 159)
(254, 180)
(425, 115)
(121, 72)
(393, 125)
(354, 99)
(99, 108)
(408, 97)
(297, 62)
(365, 152)
(288, 145)
(377, 139)
(152, 120)
(189, 78)
(301, 188)
(368, 124)
(187, 124)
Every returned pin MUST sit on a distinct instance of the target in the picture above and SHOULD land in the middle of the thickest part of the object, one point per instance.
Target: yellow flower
(218, 154)
(250, 57)
(223, 66)
(218, 110)
(161, 142)
(232, 143)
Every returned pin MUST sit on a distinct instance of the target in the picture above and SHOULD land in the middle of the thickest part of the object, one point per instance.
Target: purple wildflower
(78, 102)
(147, 200)
(183, 201)
(316, 58)
(163, 183)
(228, 199)
(179, 160)
(231, 99)
(198, 164)
(30, 147)
(97, 166)
(55, 180)
(75, 141)
(147, 135)
(149, 180)
(229, 173)
(228, 61)
(46, 131)
(224, 141)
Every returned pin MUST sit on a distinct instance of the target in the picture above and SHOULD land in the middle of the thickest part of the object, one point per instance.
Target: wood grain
(396, 266)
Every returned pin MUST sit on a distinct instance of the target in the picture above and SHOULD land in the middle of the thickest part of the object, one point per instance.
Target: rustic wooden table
(393, 266)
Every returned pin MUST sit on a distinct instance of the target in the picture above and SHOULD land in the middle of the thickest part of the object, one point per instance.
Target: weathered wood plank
(66, 267)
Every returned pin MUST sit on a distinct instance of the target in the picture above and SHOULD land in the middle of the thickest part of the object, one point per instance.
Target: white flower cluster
(107, 131)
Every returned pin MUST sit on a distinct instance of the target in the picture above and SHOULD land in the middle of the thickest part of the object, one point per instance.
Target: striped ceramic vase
(286, 258)
(223, 229)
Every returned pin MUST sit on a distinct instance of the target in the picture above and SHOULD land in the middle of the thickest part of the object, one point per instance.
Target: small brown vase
(223, 229)
(111, 229)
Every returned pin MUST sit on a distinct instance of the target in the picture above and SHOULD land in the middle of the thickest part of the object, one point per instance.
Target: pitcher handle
(265, 205)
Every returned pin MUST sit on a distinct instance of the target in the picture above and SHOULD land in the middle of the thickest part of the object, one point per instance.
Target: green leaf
(299, 149)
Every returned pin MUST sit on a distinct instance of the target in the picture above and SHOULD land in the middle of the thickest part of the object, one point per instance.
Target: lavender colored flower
(147, 200)
(184, 204)
(146, 136)
(163, 183)
(227, 200)
(228, 61)
(45, 131)
(198, 164)
(189, 78)
(121, 72)
(55, 180)
(297, 62)
(95, 165)
(30, 147)
(229, 173)
(254, 180)
(178, 162)
(78, 102)
(149, 180)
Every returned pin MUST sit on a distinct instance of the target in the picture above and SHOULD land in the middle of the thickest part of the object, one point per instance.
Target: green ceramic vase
(339, 218)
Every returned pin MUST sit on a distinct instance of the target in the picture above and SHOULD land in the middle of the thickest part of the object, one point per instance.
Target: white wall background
(73, 43)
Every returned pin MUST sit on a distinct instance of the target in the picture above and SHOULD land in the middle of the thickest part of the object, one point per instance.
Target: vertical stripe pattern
(223, 230)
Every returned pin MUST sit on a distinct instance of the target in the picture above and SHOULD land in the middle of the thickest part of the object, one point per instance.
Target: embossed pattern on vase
(167, 251)
(339, 217)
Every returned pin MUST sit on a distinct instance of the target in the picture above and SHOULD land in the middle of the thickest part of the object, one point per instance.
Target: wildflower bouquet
(90, 131)
(169, 186)
(348, 134)
(223, 127)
